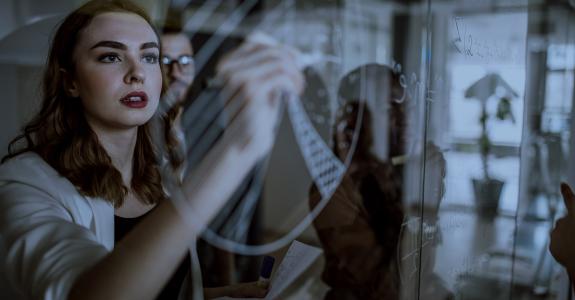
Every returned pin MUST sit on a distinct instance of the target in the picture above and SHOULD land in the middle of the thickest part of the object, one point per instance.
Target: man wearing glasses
(178, 62)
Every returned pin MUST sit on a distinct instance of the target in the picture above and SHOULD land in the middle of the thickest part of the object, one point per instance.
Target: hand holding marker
(266, 270)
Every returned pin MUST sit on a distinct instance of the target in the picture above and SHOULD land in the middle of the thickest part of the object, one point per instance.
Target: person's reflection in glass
(359, 228)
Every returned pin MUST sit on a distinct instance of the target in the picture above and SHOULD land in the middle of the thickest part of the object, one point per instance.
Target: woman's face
(344, 136)
(117, 71)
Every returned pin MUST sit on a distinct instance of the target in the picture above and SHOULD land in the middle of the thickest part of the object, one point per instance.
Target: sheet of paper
(297, 259)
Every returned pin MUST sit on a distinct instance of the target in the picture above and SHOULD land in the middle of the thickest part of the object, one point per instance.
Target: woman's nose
(135, 73)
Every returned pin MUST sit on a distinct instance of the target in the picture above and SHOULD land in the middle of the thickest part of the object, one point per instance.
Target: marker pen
(266, 270)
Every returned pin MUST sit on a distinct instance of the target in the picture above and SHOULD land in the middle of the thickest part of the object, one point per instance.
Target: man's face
(177, 52)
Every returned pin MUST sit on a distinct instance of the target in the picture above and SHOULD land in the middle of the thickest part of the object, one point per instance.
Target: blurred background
(486, 90)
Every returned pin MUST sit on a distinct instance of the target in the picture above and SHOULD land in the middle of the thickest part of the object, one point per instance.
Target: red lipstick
(135, 100)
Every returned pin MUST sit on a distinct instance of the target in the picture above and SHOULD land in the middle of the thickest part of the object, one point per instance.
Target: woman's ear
(70, 85)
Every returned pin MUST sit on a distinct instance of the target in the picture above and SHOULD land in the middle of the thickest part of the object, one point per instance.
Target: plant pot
(487, 193)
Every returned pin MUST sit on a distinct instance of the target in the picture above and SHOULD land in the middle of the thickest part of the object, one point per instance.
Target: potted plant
(487, 189)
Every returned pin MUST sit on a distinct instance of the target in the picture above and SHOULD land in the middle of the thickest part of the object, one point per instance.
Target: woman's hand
(255, 80)
(256, 77)
(562, 245)
(253, 289)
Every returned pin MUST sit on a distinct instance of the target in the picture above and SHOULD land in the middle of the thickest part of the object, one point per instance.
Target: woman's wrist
(206, 190)
(217, 292)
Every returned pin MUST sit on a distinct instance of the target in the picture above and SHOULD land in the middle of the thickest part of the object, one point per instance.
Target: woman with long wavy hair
(359, 227)
(88, 157)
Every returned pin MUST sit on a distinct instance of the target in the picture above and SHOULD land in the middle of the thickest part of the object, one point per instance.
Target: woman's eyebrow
(149, 45)
(118, 45)
(110, 44)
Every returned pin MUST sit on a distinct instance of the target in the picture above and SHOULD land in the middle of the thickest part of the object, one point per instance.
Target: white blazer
(49, 233)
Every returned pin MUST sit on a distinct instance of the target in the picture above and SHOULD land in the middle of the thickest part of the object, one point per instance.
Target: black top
(171, 290)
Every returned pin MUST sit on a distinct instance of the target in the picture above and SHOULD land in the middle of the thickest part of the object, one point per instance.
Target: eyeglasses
(184, 61)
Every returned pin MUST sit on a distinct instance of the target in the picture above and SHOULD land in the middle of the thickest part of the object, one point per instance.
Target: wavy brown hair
(379, 183)
(174, 148)
(60, 134)
(382, 84)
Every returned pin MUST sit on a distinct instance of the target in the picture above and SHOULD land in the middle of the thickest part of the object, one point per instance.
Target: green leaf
(504, 111)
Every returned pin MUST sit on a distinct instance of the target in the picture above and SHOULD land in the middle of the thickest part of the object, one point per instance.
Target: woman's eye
(151, 58)
(109, 58)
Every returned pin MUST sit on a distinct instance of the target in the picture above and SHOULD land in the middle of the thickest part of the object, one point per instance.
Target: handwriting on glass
(467, 44)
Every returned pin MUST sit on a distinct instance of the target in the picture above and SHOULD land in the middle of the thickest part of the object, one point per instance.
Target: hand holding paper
(297, 259)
